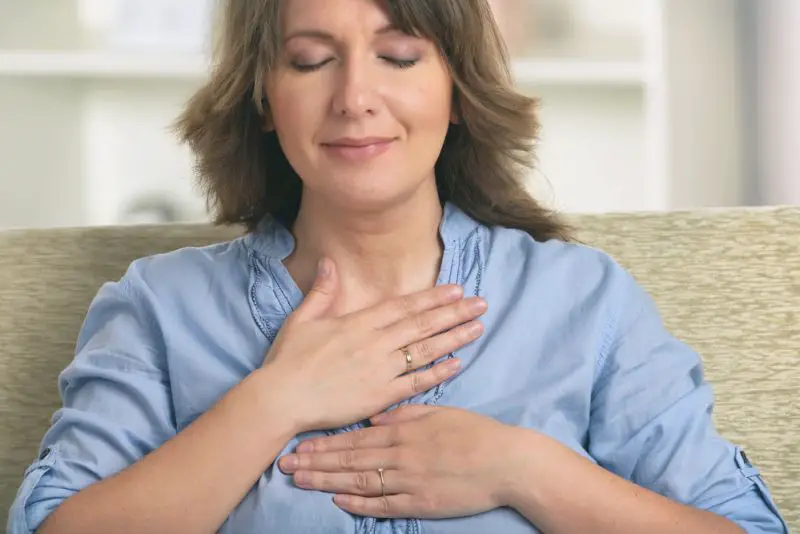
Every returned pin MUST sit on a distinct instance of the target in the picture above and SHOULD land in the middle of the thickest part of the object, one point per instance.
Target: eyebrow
(326, 36)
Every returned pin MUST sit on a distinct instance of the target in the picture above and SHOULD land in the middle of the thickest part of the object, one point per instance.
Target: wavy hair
(485, 158)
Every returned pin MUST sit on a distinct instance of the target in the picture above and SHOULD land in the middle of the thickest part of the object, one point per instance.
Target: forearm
(192, 482)
(567, 493)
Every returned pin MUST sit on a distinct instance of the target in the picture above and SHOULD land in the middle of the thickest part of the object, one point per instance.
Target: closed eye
(395, 62)
(310, 67)
(400, 63)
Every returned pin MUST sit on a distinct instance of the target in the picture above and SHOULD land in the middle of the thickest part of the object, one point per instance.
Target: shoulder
(573, 270)
(165, 291)
(571, 289)
(190, 269)
(170, 288)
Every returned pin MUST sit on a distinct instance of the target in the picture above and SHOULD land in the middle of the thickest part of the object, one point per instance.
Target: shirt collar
(272, 239)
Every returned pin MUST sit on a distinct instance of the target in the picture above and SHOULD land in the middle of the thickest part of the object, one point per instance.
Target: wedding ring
(383, 482)
(409, 363)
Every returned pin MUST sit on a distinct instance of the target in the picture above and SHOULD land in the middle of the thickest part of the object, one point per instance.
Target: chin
(371, 202)
(366, 197)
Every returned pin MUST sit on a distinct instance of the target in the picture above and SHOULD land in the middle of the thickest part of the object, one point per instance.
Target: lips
(359, 142)
(358, 149)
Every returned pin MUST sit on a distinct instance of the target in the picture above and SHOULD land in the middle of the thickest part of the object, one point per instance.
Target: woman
(455, 365)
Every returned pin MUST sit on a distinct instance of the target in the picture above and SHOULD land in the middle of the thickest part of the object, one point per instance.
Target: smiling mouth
(358, 149)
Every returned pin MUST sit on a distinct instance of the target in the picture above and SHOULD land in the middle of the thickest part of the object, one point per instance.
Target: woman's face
(361, 110)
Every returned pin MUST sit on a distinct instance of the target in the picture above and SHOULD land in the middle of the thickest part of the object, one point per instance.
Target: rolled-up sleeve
(651, 422)
(116, 403)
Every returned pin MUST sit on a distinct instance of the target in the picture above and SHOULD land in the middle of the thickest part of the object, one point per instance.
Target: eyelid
(309, 66)
(405, 49)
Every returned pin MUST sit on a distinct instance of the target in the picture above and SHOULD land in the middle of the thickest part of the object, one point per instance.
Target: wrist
(276, 410)
(522, 474)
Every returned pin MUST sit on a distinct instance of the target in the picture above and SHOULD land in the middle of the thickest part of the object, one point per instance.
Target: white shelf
(102, 65)
(194, 67)
(576, 72)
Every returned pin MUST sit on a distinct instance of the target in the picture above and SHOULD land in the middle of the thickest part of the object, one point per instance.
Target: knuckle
(347, 459)
(423, 324)
(355, 440)
(417, 383)
(405, 306)
(428, 503)
(394, 435)
(362, 483)
(384, 505)
(425, 351)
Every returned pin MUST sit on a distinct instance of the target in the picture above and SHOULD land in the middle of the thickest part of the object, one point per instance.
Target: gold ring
(383, 482)
(409, 363)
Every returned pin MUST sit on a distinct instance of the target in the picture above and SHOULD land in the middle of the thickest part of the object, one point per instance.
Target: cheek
(430, 96)
(425, 107)
(294, 110)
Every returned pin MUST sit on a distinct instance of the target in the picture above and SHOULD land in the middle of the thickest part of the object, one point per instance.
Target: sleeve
(651, 422)
(116, 404)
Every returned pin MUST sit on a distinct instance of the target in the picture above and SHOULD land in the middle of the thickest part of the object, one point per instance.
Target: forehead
(332, 13)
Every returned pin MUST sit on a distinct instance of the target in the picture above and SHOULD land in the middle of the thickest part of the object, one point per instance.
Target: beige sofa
(728, 282)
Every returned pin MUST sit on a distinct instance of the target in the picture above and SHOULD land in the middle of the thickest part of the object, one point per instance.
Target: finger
(432, 322)
(404, 414)
(322, 294)
(390, 507)
(411, 384)
(367, 438)
(428, 350)
(397, 309)
(364, 483)
(347, 460)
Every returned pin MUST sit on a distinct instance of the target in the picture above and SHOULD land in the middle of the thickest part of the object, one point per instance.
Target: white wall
(129, 151)
(779, 101)
(40, 24)
(40, 154)
(592, 149)
(705, 103)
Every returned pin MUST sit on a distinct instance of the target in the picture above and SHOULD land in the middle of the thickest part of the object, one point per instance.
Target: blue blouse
(573, 348)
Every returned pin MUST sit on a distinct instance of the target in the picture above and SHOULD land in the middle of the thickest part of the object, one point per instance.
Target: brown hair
(246, 176)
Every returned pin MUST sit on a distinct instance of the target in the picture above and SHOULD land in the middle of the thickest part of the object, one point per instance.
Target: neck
(378, 254)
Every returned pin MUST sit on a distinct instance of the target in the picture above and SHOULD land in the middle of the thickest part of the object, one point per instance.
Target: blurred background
(646, 105)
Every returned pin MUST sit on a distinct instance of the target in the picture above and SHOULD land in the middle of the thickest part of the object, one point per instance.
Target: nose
(356, 92)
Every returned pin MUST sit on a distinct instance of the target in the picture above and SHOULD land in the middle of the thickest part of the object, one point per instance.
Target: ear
(266, 116)
(455, 109)
(454, 118)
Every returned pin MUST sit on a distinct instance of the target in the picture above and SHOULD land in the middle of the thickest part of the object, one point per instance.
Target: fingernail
(305, 446)
(452, 365)
(376, 419)
(341, 499)
(455, 291)
(302, 478)
(476, 328)
(323, 268)
(478, 304)
(289, 462)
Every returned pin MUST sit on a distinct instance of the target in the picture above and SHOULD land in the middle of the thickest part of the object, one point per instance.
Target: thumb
(319, 299)
(403, 414)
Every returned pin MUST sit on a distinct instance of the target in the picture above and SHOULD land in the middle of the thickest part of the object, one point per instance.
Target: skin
(345, 73)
